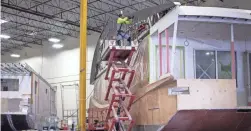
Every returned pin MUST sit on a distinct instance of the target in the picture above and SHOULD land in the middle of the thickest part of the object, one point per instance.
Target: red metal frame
(160, 54)
(91, 117)
(121, 91)
(167, 51)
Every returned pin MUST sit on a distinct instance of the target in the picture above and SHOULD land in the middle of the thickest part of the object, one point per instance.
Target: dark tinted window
(9, 84)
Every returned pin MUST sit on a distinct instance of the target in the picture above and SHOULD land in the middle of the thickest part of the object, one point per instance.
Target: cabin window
(9, 84)
(224, 65)
(205, 64)
(211, 64)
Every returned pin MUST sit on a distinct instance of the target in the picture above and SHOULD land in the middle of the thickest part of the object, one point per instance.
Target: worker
(72, 126)
(121, 35)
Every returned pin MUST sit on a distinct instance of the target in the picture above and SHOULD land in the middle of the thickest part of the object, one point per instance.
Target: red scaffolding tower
(119, 76)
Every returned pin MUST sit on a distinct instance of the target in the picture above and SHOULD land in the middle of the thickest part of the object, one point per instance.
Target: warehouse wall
(212, 44)
(59, 66)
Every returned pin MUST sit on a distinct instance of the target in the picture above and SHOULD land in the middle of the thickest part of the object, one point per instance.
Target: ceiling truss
(30, 22)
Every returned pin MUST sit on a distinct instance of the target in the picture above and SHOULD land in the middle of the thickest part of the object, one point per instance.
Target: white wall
(211, 44)
(58, 66)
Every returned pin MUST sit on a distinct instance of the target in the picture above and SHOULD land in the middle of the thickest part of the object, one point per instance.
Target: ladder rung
(124, 118)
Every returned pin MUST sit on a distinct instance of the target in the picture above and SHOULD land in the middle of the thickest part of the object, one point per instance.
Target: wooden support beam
(160, 55)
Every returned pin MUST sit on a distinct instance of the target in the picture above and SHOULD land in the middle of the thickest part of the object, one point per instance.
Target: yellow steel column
(82, 79)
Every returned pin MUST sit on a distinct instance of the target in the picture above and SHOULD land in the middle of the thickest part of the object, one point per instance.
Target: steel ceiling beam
(115, 9)
(18, 8)
(32, 19)
(24, 41)
(51, 5)
(24, 34)
(100, 11)
(51, 23)
(41, 28)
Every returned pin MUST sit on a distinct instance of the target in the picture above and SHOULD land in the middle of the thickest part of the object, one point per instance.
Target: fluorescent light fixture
(57, 46)
(177, 3)
(33, 33)
(3, 21)
(4, 36)
(55, 40)
(15, 55)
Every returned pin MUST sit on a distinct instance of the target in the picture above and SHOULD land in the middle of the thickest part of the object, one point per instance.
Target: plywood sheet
(207, 94)
(141, 92)
(143, 112)
(168, 104)
(155, 107)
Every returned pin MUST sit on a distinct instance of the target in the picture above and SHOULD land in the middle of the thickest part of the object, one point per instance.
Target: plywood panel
(207, 94)
(155, 107)
(168, 104)
(152, 107)
(144, 114)
(155, 117)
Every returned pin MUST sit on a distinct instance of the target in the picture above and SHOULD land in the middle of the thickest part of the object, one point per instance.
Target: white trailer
(27, 99)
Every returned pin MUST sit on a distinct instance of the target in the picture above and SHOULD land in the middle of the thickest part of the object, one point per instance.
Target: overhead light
(4, 36)
(57, 46)
(33, 33)
(177, 3)
(15, 55)
(207, 53)
(55, 40)
(3, 21)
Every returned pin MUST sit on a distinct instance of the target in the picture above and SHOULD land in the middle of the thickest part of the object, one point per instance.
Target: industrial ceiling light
(3, 21)
(15, 55)
(57, 46)
(55, 40)
(4, 36)
(33, 33)
(177, 3)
